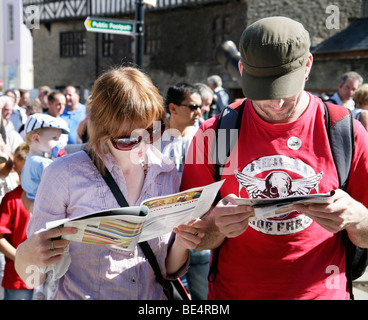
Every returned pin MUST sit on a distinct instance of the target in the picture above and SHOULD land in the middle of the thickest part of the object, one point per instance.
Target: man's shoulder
(62, 120)
(81, 107)
(190, 132)
(335, 99)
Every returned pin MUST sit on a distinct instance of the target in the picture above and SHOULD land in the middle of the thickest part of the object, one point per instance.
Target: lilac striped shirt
(72, 186)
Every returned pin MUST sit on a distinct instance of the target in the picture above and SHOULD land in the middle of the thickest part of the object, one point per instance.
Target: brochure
(127, 226)
(268, 208)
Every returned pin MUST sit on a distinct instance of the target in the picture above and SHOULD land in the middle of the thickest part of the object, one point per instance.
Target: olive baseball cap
(274, 52)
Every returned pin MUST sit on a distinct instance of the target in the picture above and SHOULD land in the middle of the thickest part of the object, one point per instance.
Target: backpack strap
(340, 129)
(229, 120)
(228, 125)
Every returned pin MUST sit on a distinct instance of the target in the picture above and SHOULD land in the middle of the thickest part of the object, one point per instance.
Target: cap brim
(273, 88)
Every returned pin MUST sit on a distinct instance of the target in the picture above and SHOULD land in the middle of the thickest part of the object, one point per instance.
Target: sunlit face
(71, 96)
(7, 110)
(206, 104)
(187, 116)
(25, 99)
(56, 108)
(278, 111)
(48, 139)
(347, 89)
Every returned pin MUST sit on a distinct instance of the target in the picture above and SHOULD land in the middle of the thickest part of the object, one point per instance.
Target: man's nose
(277, 104)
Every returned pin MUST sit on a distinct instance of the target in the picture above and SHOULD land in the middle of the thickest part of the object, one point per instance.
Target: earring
(105, 148)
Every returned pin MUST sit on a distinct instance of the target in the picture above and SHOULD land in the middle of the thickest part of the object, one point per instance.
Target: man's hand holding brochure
(129, 225)
(273, 207)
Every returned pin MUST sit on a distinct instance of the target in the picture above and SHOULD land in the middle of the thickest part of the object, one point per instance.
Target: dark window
(10, 22)
(221, 27)
(73, 44)
(153, 42)
(108, 45)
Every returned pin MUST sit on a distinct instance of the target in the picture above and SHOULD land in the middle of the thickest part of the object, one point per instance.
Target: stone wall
(57, 72)
(195, 38)
(312, 14)
(326, 72)
(182, 41)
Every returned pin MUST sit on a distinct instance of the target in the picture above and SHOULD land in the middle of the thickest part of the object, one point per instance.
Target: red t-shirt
(13, 224)
(290, 257)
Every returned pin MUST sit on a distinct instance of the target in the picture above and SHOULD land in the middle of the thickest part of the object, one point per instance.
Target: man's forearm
(358, 233)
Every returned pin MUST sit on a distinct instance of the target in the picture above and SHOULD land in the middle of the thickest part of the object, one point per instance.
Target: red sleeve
(358, 179)
(198, 169)
(5, 216)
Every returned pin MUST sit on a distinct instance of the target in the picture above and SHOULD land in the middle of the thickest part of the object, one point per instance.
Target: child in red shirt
(13, 224)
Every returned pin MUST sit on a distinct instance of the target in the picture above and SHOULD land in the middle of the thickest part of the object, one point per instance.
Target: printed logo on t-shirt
(271, 177)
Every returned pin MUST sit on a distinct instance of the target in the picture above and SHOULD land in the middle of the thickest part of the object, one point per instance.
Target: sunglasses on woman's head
(128, 143)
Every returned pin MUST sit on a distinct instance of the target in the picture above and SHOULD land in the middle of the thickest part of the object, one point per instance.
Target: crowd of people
(34, 133)
(45, 176)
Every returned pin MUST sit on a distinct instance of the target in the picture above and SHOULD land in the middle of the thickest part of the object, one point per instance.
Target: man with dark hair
(183, 103)
(56, 103)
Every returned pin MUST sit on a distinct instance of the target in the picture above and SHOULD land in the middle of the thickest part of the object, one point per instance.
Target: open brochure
(268, 208)
(127, 226)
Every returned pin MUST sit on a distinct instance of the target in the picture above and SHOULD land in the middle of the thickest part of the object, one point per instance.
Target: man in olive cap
(282, 150)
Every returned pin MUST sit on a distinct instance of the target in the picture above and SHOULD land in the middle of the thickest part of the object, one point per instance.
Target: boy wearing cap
(42, 135)
(282, 150)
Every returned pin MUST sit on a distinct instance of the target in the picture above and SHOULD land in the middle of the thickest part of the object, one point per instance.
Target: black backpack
(339, 124)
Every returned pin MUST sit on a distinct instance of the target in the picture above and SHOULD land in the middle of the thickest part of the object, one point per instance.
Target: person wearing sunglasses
(126, 115)
(183, 103)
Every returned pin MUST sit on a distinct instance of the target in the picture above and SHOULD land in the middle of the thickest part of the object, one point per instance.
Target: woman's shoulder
(72, 157)
(69, 163)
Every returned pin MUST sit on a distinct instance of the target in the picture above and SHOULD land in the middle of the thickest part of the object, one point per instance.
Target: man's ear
(308, 66)
(240, 67)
